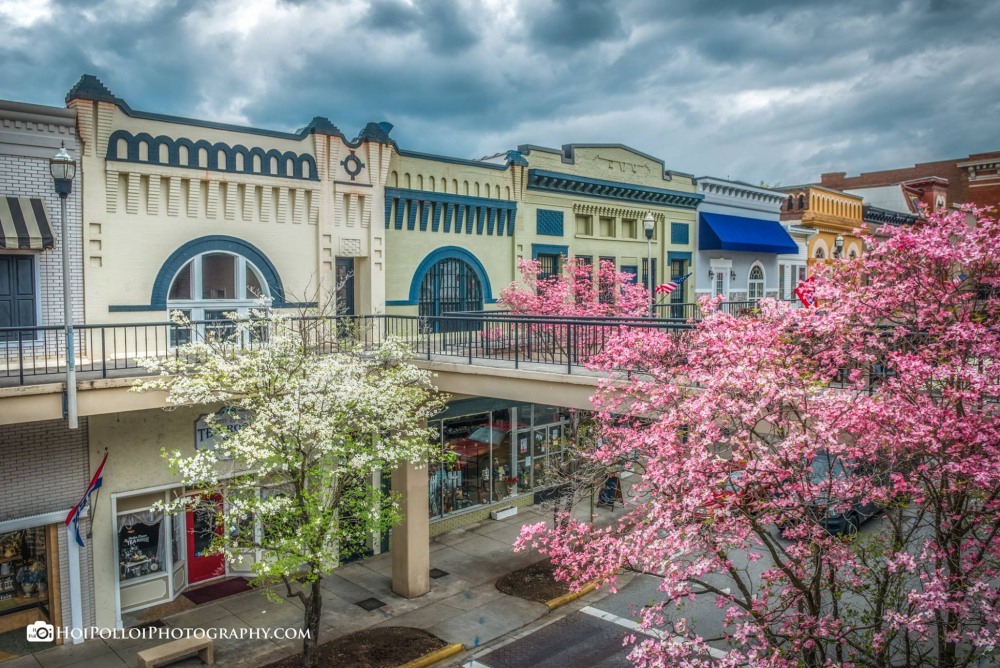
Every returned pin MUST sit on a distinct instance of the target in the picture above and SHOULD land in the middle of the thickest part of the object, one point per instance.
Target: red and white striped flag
(667, 288)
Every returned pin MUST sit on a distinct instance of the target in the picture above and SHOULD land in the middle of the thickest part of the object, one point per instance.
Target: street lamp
(839, 244)
(63, 169)
(648, 223)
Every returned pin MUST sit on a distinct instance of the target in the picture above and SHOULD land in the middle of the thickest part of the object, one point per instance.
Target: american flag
(667, 288)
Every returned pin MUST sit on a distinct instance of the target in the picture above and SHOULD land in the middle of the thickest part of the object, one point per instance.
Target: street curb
(436, 656)
(560, 601)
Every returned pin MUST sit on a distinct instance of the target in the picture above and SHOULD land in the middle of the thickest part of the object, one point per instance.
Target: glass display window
(465, 482)
(23, 569)
(141, 544)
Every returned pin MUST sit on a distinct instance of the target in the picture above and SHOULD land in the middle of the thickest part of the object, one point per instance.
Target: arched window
(820, 254)
(451, 284)
(212, 284)
(802, 202)
(755, 283)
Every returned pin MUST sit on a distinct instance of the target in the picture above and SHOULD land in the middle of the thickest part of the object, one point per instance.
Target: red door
(202, 528)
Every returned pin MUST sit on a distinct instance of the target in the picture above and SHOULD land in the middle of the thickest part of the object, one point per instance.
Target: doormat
(214, 592)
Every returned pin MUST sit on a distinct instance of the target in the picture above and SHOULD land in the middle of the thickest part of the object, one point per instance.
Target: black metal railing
(37, 354)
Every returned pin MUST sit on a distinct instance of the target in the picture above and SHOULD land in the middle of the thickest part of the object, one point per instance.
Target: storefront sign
(227, 421)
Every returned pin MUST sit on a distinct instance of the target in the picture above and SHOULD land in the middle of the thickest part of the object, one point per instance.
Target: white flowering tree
(318, 417)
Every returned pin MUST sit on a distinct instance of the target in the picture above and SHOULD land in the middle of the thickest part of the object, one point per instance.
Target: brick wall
(959, 191)
(45, 467)
(29, 177)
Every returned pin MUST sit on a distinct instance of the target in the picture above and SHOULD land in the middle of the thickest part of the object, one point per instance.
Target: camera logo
(41, 632)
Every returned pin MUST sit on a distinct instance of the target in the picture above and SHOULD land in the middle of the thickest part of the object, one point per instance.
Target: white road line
(634, 626)
(475, 664)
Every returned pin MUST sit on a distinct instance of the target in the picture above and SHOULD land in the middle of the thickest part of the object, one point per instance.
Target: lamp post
(839, 245)
(649, 223)
(63, 169)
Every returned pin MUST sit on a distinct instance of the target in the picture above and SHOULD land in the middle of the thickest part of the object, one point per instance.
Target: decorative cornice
(404, 153)
(303, 164)
(615, 211)
(90, 87)
(874, 214)
(710, 186)
(568, 184)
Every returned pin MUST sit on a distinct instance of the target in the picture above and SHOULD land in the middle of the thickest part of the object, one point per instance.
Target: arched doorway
(450, 285)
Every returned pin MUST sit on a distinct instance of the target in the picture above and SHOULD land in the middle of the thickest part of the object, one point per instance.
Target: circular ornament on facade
(352, 165)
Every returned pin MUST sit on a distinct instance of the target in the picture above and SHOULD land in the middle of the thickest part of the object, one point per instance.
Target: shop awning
(24, 224)
(717, 231)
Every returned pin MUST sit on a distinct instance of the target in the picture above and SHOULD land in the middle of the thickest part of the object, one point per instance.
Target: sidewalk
(463, 606)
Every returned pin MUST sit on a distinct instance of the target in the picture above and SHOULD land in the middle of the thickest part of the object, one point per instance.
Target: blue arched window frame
(181, 256)
(433, 258)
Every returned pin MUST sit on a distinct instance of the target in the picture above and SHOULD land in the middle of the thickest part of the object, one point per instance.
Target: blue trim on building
(478, 212)
(676, 255)
(548, 249)
(435, 256)
(580, 186)
(177, 259)
(549, 223)
(680, 234)
(193, 148)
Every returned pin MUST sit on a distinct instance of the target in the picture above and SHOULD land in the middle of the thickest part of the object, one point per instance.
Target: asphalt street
(593, 636)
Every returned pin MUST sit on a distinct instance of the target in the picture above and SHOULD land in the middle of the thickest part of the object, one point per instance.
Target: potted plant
(511, 485)
(31, 575)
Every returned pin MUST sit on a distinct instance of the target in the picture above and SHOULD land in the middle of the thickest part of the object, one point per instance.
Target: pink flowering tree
(578, 290)
(825, 482)
(555, 301)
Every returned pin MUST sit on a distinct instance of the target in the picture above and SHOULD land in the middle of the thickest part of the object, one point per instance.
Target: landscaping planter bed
(534, 583)
(380, 647)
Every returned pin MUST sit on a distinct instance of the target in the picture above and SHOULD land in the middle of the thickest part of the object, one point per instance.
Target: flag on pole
(73, 519)
(667, 288)
(806, 292)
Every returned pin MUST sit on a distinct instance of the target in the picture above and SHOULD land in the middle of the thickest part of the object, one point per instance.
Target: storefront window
(502, 476)
(141, 544)
(23, 569)
(434, 476)
(177, 528)
(465, 479)
(496, 455)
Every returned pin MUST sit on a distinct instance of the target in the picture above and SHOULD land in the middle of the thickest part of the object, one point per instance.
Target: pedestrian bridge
(537, 359)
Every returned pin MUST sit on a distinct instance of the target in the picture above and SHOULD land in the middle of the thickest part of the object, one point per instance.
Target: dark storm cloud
(775, 90)
(573, 24)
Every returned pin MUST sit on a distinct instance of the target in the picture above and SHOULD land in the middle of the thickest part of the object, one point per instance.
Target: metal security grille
(450, 285)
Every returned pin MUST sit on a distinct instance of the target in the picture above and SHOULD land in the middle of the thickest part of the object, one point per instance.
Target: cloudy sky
(779, 90)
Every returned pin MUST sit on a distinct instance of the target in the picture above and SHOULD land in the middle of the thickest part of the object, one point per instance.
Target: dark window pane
(181, 287)
(218, 276)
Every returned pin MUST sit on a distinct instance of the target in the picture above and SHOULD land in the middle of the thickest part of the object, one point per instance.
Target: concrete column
(410, 543)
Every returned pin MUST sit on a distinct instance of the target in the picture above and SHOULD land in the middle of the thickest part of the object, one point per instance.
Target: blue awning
(717, 231)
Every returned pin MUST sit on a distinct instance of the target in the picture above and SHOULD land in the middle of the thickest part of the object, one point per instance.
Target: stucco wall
(134, 441)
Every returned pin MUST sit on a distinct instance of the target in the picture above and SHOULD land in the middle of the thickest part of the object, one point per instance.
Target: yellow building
(833, 214)
(455, 229)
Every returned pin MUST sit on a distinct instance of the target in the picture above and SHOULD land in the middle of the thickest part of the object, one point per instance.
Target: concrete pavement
(463, 605)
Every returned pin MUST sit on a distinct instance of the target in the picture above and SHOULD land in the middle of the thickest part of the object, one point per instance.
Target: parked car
(823, 467)
(733, 491)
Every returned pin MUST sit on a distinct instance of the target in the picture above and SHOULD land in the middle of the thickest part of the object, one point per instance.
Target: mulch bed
(534, 583)
(382, 647)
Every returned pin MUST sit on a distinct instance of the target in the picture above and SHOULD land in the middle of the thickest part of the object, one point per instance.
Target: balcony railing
(30, 355)
(33, 355)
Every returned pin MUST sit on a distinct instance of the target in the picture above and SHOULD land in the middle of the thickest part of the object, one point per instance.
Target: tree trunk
(310, 644)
